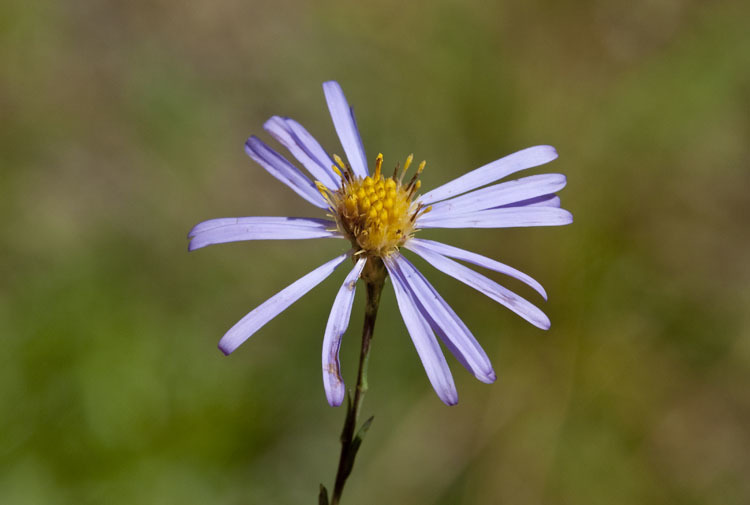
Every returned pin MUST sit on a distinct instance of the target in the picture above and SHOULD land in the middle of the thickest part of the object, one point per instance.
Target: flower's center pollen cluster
(376, 213)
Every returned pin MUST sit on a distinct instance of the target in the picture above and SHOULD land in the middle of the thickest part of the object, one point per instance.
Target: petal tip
(271, 122)
(336, 401)
(226, 350)
(451, 401)
(489, 377)
(331, 85)
(549, 151)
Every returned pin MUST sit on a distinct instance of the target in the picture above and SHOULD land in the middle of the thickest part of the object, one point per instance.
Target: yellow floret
(376, 213)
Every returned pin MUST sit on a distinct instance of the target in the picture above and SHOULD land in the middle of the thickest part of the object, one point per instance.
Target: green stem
(374, 277)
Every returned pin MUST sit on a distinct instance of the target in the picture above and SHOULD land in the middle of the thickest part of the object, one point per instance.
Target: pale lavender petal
(311, 146)
(500, 194)
(283, 170)
(539, 201)
(487, 174)
(219, 231)
(272, 307)
(492, 289)
(346, 127)
(280, 129)
(306, 222)
(417, 245)
(454, 333)
(338, 322)
(424, 340)
(509, 217)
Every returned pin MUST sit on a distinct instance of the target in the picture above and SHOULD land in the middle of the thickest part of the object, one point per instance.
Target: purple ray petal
(281, 130)
(272, 307)
(509, 217)
(302, 222)
(219, 231)
(492, 289)
(312, 147)
(500, 194)
(449, 327)
(418, 245)
(346, 127)
(279, 167)
(487, 174)
(338, 321)
(539, 201)
(424, 340)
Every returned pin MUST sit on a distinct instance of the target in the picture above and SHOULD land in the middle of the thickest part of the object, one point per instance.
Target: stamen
(406, 167)
(408, 161)
(413, 189)
(339, 162)
(378, 164)
(419, 171)
(322, 189)
(338, 172)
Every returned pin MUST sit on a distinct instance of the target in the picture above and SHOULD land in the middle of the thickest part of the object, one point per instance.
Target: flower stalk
(373, 275)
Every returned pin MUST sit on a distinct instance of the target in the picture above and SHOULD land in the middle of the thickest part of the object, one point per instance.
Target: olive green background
(122, 125)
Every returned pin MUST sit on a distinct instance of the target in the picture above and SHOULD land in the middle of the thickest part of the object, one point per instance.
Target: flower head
(379, 215)
(376, 213)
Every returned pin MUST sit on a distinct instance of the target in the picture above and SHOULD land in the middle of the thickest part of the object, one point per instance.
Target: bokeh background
(122, 125)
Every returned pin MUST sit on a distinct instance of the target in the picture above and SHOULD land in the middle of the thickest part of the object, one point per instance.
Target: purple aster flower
(379, 216)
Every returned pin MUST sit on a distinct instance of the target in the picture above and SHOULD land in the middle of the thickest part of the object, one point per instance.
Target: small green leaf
(349, 461)
(323, 496)
(363, 430)
(349, 418)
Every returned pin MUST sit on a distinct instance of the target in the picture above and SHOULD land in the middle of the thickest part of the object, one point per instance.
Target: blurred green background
(123, 125)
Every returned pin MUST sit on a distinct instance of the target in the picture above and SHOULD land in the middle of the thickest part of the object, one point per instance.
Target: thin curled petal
(424, 340)
(223, 230)
(283, 170)
(491, 172)
(500, 194)
(346, 127)
(337, 324)
(281, 130)
(507, 217)
(272, 307)
(488, 287)
(416, 245)
(441, 317)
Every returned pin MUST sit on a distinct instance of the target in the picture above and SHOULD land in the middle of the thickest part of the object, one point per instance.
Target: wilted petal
(492, 289)
(283, 170)
(507, 217)
(441, 317)
(424, 340)
(418, 245)
(272, 307)
(500, 194)
(235, 229)
(338, 322)
(346, 127)
(282, 131)
(487, 174)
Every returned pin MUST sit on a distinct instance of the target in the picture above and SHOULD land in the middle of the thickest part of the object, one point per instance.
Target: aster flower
(379, 216)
